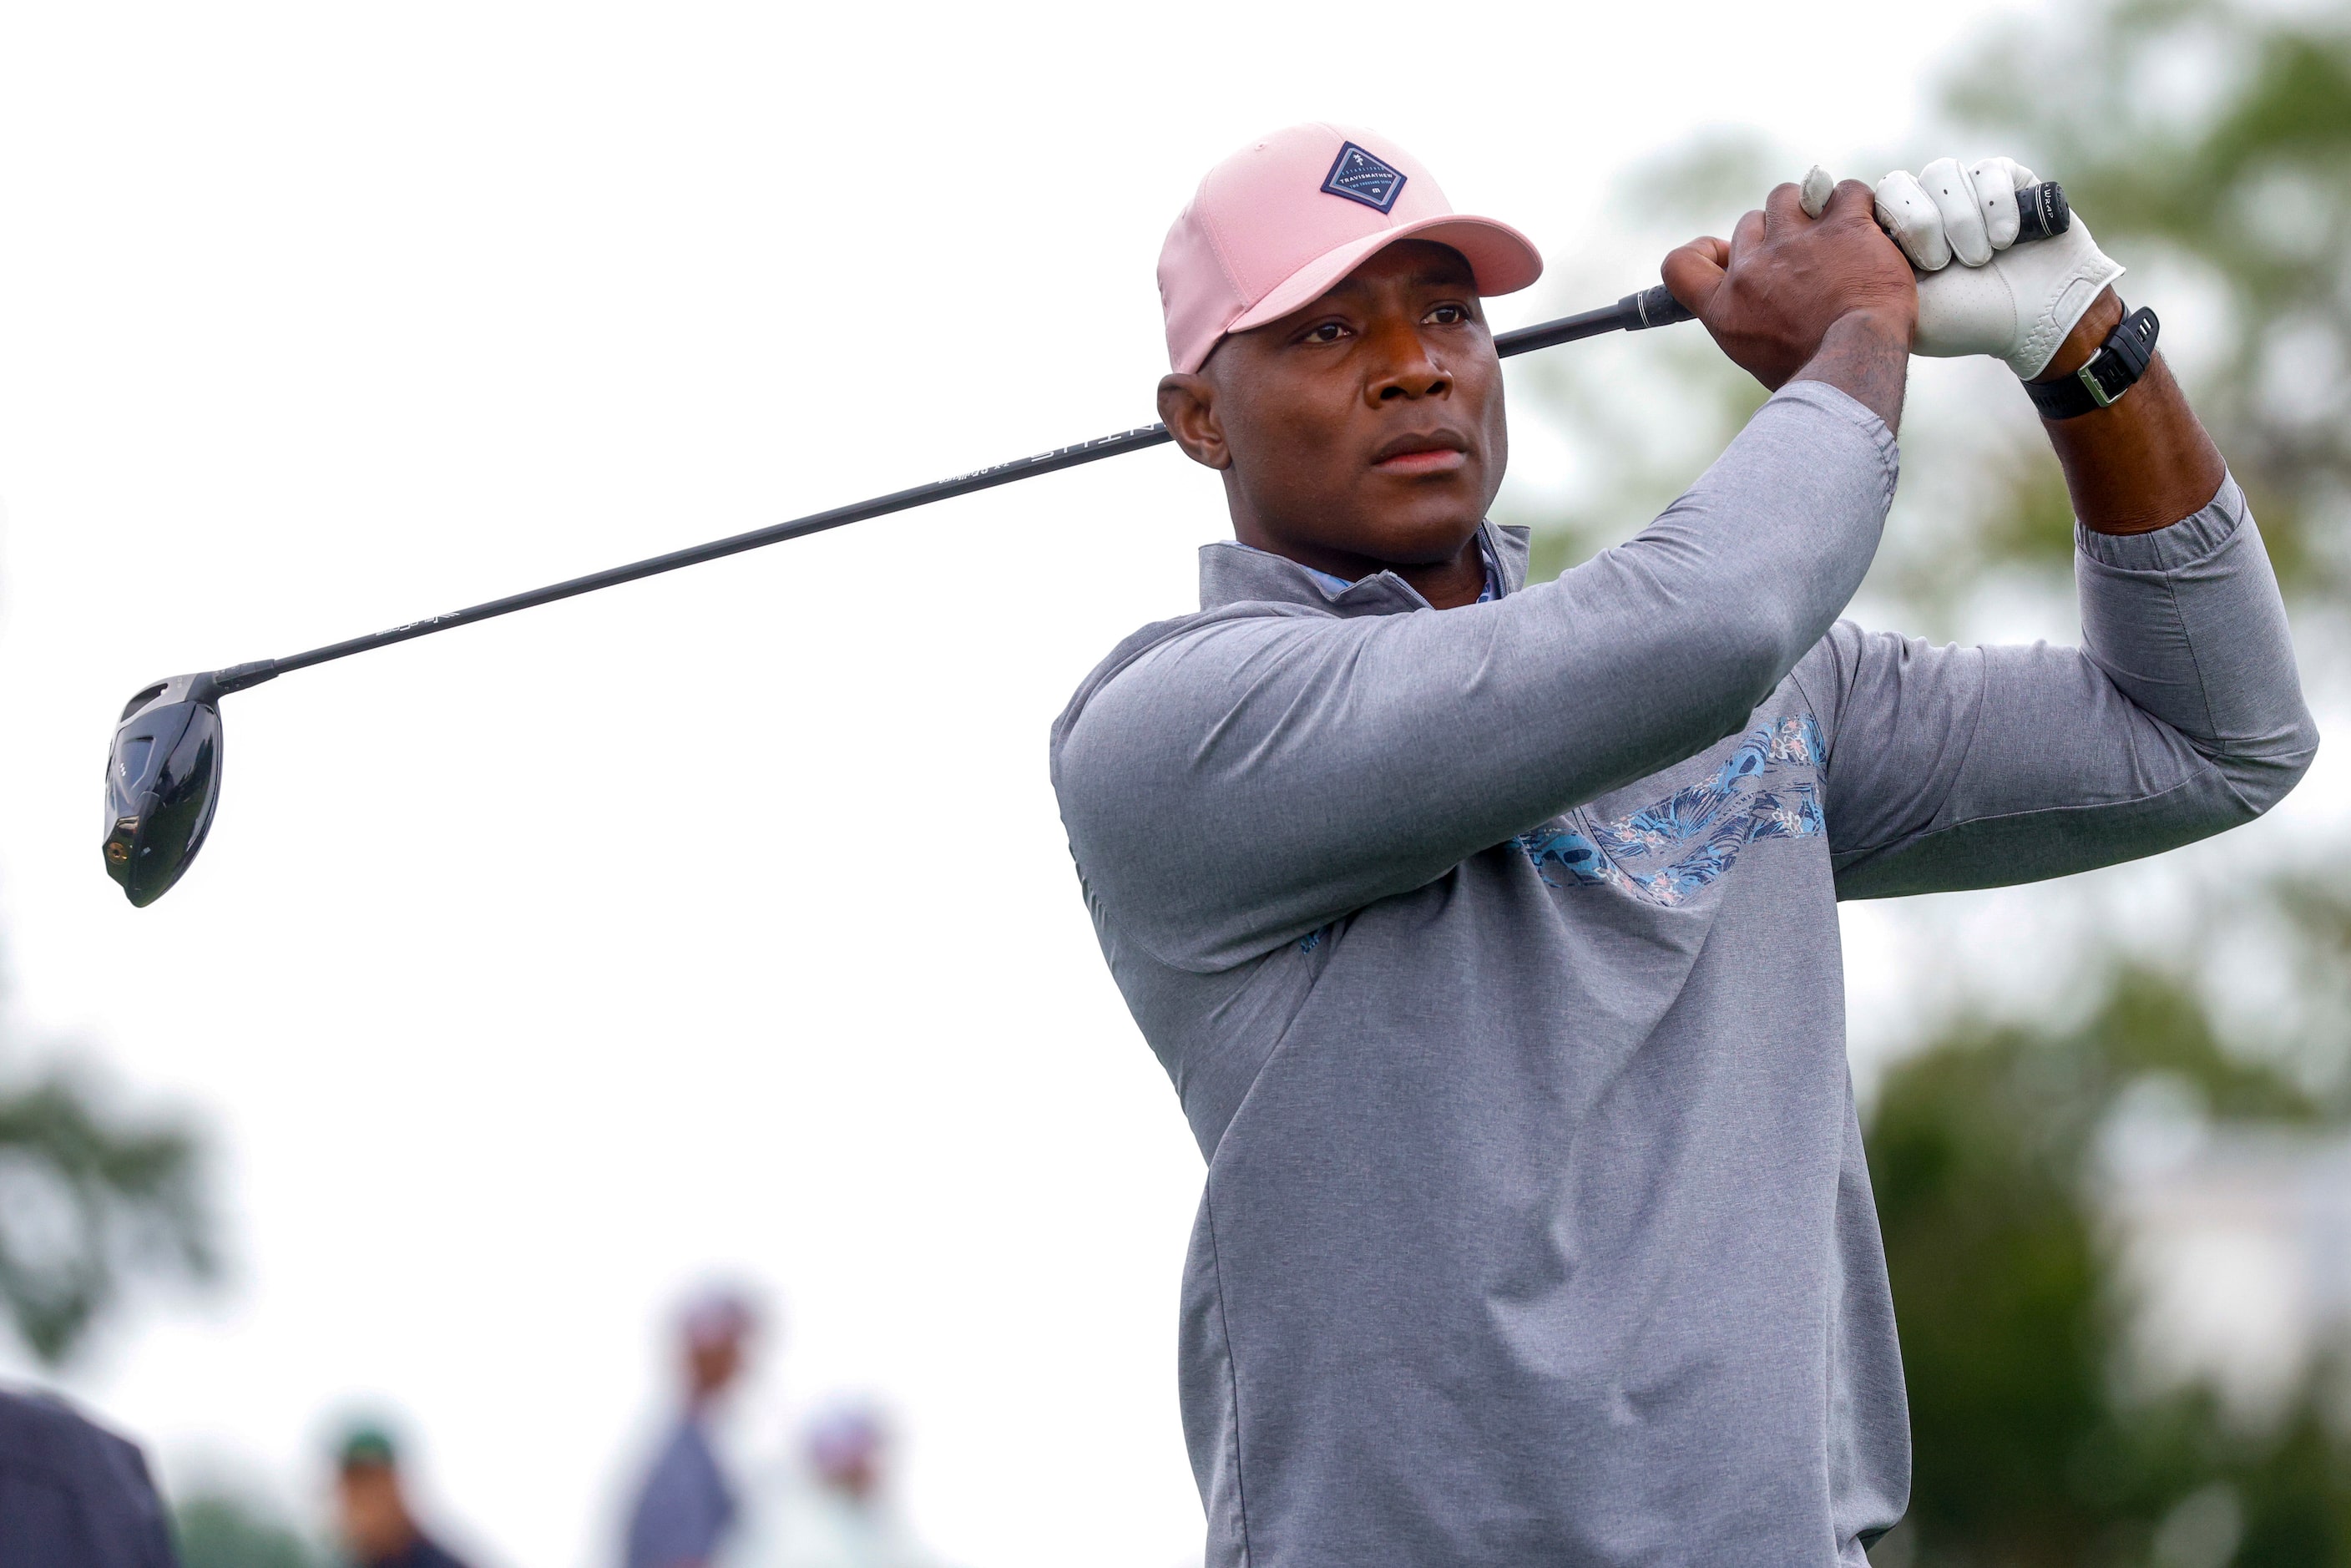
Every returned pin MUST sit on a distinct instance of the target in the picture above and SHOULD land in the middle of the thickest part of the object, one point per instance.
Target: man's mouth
(1438, 451)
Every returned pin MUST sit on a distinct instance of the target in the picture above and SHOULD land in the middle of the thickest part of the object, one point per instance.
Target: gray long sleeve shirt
(1494, 955)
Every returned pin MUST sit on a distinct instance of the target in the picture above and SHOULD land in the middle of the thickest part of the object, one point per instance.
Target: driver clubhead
(162, 784)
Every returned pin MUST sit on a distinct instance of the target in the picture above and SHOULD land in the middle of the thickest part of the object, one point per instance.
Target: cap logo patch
(1360, 177)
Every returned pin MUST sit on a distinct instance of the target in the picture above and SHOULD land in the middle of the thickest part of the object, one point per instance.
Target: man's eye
(1449, 315)
(1328, 332)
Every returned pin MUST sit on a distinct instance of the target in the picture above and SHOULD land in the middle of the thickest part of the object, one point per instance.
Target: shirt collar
(1232, 573)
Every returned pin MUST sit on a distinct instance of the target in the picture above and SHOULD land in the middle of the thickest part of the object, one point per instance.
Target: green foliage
(2210, 146)
(2030, 1449)
(86, 1201)
(217, 1530)
(2032, 1445)
(2248, 192)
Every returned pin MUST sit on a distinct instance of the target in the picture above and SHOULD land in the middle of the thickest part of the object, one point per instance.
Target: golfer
(1489, 932)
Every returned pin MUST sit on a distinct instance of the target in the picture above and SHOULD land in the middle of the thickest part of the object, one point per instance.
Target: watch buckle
(2097, 389)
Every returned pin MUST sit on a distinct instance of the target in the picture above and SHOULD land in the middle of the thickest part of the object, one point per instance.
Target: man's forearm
(2142, 463)
(1866, 356)
(2180, 607)
(1249, 778)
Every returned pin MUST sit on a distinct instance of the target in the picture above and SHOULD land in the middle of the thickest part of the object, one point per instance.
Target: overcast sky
(721, 923)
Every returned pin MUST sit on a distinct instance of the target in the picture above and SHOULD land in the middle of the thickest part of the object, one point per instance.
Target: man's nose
(1408, 369)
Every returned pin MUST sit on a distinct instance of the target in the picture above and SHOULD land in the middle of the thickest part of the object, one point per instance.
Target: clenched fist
(1771, 294)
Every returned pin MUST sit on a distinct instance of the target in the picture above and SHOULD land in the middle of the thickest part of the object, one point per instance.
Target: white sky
(721, 923)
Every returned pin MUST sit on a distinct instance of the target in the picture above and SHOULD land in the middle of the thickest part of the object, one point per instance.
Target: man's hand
(2140, 464)
(1827, 298)
(2015, 305)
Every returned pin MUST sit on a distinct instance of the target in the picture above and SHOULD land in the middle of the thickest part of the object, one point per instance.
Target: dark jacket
(73, 1495)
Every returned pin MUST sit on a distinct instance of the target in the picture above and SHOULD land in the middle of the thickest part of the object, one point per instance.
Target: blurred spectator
(845, 1519)
(687, 1505)
(72, 1493)
(372, 1507)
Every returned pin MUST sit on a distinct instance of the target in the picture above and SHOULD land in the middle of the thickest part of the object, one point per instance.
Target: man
(73, 1493)
(1489, 932)
(373, 1513)
(686, 1507)
(844, 1518)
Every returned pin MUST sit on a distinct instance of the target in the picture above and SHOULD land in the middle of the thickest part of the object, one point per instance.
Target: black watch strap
(2103, 379)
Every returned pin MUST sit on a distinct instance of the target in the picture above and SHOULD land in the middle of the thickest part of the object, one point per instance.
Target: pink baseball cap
(1277, 223)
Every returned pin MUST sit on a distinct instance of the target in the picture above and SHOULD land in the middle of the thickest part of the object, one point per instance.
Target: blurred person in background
(373, 1514)
(841, 1512)
(73, 1494)
(686, 1507)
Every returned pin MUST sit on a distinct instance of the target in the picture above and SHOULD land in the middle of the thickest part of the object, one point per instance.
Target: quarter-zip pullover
(1493, 954)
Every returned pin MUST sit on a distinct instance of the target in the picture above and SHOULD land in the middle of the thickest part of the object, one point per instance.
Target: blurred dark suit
(73, 1495)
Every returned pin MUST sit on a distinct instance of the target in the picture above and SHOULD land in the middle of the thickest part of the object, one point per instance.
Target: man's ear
(1187, 406)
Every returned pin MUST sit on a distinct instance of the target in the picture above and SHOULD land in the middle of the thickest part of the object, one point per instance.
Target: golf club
(163, 770)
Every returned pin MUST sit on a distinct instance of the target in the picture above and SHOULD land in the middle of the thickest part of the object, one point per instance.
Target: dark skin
(711, 1367)
(1365, 432)
(2137, 465)
(373, 1511)
(1794, 297)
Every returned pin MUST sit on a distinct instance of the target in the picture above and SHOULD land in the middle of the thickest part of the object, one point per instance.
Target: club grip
(2042, 210)
(1652, 308)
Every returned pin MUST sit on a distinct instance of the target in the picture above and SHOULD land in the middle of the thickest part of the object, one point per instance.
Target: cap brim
(1501, 259)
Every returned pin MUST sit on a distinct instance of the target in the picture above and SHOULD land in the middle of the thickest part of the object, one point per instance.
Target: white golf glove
(2015, 302)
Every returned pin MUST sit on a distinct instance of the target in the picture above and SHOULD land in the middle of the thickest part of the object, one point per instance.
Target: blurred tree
(2212, 141)
(88, 1201)
(2208, 141)
(216, 1529)
(2032, 1445)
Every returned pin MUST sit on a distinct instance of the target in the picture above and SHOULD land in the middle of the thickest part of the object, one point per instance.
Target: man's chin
(1419, 543)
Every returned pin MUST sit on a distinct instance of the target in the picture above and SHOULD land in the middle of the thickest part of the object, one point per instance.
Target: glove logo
(1360, 177)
